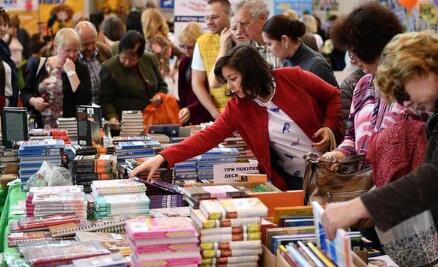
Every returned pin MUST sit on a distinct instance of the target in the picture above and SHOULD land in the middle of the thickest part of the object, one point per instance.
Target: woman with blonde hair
(312, 28)
(155, 32)
(42, 92)
(192, 111)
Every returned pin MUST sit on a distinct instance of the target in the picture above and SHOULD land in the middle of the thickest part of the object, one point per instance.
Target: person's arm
(192, 146)
(161, 84)
(199, 78)
(108, 93)
(73, 78)
(202, 92)
(325, 95)
(29, 89)
(404, 198)
(388, 205)
(82, 94)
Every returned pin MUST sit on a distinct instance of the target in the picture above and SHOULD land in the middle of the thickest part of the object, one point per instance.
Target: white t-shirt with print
(287, 139)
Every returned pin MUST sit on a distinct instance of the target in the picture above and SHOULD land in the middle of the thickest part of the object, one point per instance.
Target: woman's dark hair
(113, 28)
(133, 21)
(255, 71)
(4, 16)
(96, 18)
(280, 25)
(131, 40)
(367, 30)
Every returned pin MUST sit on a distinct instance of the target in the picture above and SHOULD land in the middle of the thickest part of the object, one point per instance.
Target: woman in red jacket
(281, 114)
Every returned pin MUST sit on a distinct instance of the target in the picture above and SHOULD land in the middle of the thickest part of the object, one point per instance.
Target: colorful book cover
(150, 228)
(338, 249)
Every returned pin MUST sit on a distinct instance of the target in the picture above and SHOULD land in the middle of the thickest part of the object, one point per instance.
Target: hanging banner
(300, 6)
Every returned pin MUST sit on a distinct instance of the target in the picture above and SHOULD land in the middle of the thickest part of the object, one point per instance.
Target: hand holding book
(342, 215)
(151, 165)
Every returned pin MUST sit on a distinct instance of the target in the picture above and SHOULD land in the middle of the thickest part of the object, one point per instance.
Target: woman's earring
(286, 46)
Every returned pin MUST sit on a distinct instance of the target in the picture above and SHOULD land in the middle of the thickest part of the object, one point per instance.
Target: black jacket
(411, 194)
(82, 96)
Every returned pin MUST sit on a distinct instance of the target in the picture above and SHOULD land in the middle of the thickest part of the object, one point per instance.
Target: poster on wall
(300, 6)
(19, 5)
(167, 4)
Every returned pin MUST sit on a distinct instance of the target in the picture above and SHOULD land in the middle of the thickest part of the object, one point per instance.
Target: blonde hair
(190, 33)
(291, 14)
(153, 23)
(310, 23)
(408, 54)
(66, 36)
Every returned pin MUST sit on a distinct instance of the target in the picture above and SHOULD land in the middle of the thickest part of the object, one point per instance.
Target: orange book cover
(274, 200)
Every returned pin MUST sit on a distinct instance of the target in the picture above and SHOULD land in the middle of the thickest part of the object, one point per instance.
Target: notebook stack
(132, 123)
(135, 149)
(71, 125)
(33, 153)
(229, 230)
(87, 169)
(218, 155)
(119, 197)
(56, 200)
(164, 195)
(196, 193)
(236, 141)
(8, 164)
(186, 170)
(171, 241)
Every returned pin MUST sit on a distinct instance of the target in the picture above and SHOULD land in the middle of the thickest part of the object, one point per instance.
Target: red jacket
(303, 96)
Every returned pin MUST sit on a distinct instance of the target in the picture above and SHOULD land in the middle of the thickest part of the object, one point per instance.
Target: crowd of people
(265, 76)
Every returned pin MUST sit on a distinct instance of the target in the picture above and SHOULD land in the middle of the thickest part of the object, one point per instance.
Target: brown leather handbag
(323, 185)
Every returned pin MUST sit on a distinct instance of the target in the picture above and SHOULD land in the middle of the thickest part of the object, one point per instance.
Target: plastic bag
(166, 113)
(49, 175)
(413, 242)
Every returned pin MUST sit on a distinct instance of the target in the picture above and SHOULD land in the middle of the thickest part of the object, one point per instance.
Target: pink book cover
(186, 262)
(163, 248)
(150, 228)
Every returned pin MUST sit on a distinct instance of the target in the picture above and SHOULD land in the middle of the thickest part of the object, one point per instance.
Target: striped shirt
(369, 114)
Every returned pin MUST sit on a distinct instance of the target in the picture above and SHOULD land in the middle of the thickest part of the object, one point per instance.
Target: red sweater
(303, 96)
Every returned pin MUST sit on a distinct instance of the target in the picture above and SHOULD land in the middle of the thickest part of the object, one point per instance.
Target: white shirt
(287, 139)
(197, 62)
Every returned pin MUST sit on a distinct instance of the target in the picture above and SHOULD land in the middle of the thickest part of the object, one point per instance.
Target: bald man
(92, 54)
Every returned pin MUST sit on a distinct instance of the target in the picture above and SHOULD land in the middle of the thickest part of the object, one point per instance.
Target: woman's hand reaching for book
(151, 165)
(342, 215)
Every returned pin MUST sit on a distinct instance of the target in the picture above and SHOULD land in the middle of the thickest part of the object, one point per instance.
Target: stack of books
(56, 200)
(229, 230)
(164, 195)
(71, 125)
(163, 242)
(8, 163)
(186, 170)
(119, 197)
(236, 141)
(87, 169)
(196, 193)
(132, 123)
(55, 254)
(135, 149)
(218, 155)
(114, 242)
(33, 153)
